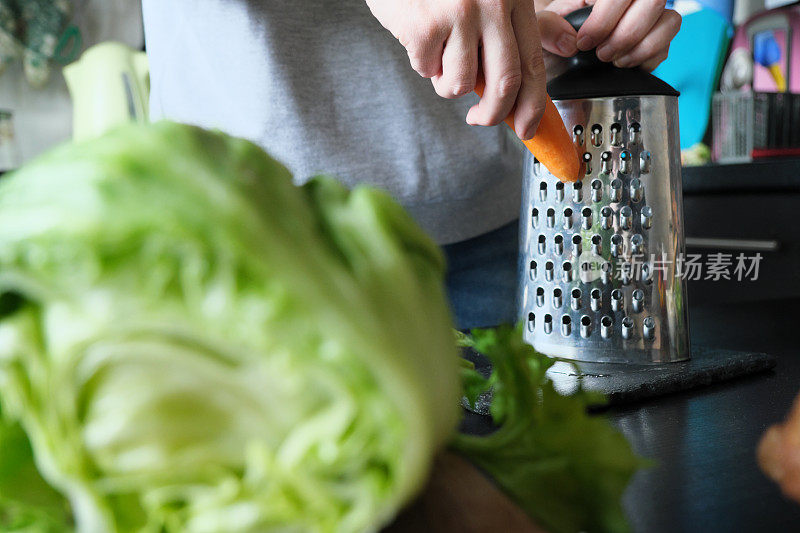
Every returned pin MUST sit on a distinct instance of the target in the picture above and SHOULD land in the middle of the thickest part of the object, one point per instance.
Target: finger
(604, 18)
(653, 62)
(425, 45)
(532, 94)
(501, 70)
(459, 65)
(655, 45)
(557, 35)
(634, 26)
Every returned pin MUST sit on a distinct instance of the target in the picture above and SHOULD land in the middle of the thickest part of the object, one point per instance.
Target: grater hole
(531, 322)
(567, 267)
(557, 292)
(595, 294)
(647, 217)
(539, 291)
(627, 327)
(597, 134)
(543, 186)
(616, 294)
(597, 239)
(576, 293)
(542, 239)
(566, 325)
(548, 323)
(605, 156)
(625, 161)
(636, 189)
(607, 212)
(646, 274)
(625, 217)
(616, 239)
(597, 190)
(578, 130)
(615, 130)
(586, 212)
(559, 239)
(606, 327)
(533, 269)
(559, 186)
(578, 185)
(576, 240)
(586, 321)
(649, 328)
(568, 212)
(638, 294)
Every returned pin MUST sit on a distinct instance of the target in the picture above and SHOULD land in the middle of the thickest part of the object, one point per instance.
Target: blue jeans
(482, 278)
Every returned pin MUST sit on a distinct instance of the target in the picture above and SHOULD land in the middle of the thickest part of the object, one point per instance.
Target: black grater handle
(578, 17)
(587, 57)
(585, 76)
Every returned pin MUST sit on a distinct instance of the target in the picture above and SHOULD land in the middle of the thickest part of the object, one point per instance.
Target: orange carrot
(552, 144)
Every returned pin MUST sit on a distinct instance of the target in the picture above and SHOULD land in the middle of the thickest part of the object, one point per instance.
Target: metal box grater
(599, 257)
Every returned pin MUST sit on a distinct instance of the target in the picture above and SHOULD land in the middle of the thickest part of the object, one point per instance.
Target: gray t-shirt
(324, 88)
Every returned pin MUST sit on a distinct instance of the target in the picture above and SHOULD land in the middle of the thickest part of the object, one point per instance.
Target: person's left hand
(628, 33)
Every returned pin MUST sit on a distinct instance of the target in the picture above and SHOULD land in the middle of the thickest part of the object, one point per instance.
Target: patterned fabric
(37, 33)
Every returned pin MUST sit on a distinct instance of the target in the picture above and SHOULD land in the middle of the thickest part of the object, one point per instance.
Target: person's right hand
(448, 40)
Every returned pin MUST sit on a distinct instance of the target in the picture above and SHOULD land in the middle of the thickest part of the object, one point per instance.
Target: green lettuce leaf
(27, 502)
(567, 469)
(197, 344)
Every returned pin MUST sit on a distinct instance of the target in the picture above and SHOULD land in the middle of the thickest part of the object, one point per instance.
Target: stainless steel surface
(742, 245)
(611, 245)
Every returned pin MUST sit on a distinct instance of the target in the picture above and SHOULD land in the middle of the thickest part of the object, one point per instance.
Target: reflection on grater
(598, 257)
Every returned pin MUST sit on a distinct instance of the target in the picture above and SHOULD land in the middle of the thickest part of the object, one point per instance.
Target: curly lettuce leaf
(567, 469)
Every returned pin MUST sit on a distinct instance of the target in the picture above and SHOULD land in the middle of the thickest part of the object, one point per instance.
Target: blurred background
(37, 39)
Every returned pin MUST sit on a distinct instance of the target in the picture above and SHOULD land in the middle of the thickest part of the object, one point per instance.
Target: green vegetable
(27, 502)
(567, 469)
(193, 343)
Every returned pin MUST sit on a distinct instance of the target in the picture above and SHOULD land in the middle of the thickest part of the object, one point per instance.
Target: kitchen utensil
(109, 85)
(599, 259)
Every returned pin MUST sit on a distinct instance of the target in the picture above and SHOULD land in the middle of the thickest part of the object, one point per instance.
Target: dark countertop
(704, 441)
(765, 175)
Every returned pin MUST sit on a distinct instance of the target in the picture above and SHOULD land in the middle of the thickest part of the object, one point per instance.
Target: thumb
(558, 36)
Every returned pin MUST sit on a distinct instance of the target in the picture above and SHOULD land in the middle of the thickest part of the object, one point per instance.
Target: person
(325, 88)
